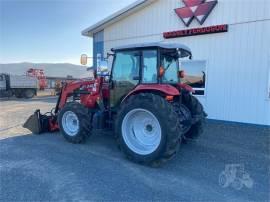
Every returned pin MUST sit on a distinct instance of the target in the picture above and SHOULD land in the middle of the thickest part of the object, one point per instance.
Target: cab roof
(154, 45)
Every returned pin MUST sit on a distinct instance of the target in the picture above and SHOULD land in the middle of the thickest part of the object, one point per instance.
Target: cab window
(149, 74)
(170, 65)
(126, 66)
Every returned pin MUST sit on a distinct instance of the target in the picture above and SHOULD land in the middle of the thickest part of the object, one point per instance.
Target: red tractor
(141, 99)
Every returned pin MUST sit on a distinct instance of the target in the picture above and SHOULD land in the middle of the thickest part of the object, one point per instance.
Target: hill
(51, 69)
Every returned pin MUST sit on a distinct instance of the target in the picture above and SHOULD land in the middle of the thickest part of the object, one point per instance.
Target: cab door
(125, 75)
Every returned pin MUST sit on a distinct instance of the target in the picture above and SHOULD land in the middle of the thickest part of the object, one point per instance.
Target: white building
(236, 62)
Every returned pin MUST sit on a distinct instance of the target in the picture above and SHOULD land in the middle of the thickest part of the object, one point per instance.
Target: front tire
(147, 129)
(75, 122)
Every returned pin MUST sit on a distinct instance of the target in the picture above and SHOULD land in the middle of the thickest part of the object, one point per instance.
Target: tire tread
(84, 119)
(169, 119)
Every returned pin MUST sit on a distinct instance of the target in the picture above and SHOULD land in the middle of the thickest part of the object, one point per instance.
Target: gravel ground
(47, 168)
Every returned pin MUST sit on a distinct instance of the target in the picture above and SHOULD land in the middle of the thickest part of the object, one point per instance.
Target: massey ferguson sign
(196, 31)
(198, 9)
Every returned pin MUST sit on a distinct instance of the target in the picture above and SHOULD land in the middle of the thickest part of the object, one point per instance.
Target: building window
(195, 75)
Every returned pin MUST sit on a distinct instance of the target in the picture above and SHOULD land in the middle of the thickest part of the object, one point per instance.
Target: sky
(49, 31)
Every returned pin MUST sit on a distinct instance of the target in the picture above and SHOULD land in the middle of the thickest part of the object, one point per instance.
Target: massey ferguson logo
(200, 9)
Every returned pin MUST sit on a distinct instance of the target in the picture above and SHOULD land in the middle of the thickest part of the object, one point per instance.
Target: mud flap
(37, 123)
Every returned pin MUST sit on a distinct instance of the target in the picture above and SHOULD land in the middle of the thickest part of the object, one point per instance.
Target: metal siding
(237, 61)
(98, 46)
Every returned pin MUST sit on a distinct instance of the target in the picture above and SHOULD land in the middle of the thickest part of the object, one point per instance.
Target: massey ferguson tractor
(141, 99)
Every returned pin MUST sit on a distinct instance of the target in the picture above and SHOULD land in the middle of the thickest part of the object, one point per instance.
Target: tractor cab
(144, 64)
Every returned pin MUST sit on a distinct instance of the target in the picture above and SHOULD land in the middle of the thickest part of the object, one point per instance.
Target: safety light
(169, 98)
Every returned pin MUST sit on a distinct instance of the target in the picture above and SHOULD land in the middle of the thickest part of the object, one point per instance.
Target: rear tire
(29, 93)
(75, 122)
(164, 124)
(198, 115)
(18, 93)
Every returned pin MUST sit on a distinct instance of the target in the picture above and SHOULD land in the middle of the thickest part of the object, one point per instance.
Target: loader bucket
(37, 123)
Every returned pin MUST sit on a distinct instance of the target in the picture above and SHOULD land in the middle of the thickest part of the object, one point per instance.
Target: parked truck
(20, 86)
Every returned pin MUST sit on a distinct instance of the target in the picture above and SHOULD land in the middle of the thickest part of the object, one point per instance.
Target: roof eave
(132, 8)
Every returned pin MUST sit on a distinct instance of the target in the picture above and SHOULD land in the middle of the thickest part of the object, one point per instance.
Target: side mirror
(103, 69)
(84, 59)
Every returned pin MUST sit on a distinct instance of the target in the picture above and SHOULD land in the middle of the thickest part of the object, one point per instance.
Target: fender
(186, 87)
(163, 88)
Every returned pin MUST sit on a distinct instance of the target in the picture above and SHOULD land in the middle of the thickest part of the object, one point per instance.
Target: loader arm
(66, 91)
(91, 87)
(40, 123)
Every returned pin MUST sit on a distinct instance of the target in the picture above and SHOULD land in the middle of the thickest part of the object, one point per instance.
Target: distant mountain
(50, 69)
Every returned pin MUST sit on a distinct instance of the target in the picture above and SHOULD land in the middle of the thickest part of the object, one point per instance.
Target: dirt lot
(47, 168)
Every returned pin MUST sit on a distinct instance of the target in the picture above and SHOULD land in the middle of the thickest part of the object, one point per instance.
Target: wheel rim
(141, 131)
(70, 123)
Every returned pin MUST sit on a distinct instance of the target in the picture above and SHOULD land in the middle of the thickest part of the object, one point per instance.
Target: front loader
(141, 100)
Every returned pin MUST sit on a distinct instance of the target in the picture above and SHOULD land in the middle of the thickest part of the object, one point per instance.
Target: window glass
(171, 69)
(126, 66)
(195, 75)
(269, 83)
(149, 66)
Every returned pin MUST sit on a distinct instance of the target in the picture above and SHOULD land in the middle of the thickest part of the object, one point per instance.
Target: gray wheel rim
(70, 123)
(141, 131)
